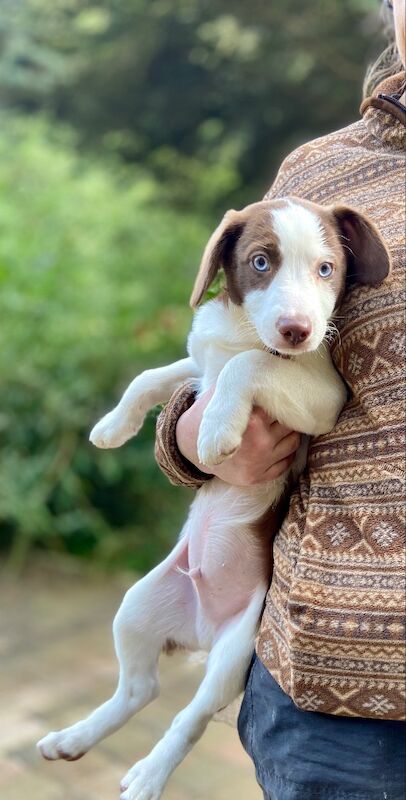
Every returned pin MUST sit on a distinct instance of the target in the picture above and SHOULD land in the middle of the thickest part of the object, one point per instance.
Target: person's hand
(267, 449)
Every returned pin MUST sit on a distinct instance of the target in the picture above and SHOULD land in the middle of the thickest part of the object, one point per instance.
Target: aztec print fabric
(332, 634)
(333, 628)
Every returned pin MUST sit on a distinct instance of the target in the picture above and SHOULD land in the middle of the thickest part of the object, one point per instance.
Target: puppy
(262, 343)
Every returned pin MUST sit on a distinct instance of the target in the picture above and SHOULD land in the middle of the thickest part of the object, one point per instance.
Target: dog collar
(278, 354)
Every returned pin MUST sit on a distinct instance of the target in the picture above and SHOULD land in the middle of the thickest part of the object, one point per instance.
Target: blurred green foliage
(126, 127)
(185, 85)
(95, 275)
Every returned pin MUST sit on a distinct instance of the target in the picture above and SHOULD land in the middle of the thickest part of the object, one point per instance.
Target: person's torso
(333, 628)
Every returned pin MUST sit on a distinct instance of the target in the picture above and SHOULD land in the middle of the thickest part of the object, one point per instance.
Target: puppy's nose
(295, 329)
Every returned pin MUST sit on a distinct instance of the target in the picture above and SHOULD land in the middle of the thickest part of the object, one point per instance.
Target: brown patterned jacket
(333, 629)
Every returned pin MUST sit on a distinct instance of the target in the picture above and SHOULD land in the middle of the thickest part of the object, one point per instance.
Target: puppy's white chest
(213, 360)
(219, 332)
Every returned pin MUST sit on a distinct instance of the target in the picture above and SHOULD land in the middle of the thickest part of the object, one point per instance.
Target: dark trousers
(302, 755)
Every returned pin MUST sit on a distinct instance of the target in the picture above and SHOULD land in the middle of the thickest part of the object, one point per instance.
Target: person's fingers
(276, 470)
(258, 414)
(279, 431)
(250, 466)
(259, 458)
(286, 447)
(263, 428)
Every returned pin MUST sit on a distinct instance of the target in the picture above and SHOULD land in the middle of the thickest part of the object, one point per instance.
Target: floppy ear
(367, 256)
(217, 253)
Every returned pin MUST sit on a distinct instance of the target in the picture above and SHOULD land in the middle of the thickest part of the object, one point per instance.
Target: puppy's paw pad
(62, 744)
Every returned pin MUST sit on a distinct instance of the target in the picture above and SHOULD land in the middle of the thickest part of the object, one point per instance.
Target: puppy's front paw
(113, 430)
(69, 744)
(216, 442)
(145, 781)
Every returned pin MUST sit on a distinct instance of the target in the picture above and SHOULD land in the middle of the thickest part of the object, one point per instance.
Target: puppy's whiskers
(332, 334)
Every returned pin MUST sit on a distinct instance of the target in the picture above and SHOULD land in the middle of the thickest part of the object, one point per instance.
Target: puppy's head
(287, 262)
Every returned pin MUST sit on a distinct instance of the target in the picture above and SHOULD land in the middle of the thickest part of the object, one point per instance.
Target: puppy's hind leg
(158, 607)
(224, 680)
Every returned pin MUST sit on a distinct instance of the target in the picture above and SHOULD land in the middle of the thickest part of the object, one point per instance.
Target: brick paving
(58, 663)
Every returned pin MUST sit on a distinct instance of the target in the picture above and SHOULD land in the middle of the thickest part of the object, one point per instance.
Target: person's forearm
(187, 430)
(177, 468)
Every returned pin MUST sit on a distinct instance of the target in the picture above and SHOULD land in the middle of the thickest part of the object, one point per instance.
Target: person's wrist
(186, 440)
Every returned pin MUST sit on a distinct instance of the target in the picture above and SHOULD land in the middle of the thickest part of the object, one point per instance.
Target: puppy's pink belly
(225, 569)
(221, 597)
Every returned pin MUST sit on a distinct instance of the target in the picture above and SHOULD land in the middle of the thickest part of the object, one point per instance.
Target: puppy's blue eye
(325, 270)
(260, 263)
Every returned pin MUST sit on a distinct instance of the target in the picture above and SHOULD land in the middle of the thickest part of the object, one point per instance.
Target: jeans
(303, 755)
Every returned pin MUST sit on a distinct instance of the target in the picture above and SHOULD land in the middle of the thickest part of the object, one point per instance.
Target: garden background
(126, 129)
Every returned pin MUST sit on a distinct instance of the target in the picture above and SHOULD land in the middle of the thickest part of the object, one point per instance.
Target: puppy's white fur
(209, 592)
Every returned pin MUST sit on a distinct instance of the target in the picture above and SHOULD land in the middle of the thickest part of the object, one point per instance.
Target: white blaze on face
(296, 288)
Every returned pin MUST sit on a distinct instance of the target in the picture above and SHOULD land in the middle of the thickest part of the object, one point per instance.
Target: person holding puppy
(324, 708)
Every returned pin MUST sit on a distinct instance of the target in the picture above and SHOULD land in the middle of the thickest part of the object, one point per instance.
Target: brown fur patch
(257, 237)
(170, 647)
(367, 256)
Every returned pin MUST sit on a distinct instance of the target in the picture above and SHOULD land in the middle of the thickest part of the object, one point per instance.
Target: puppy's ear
(368, 258)
(217, 253)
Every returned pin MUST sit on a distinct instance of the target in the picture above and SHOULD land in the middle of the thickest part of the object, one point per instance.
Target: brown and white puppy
(286, 264)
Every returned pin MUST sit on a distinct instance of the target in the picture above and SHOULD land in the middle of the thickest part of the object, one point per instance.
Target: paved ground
(57, 663)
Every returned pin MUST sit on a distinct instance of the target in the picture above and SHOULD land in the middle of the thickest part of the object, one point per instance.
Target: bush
(95, 274)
